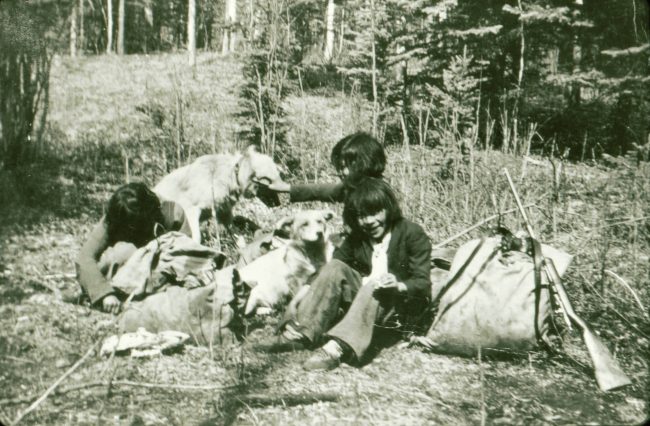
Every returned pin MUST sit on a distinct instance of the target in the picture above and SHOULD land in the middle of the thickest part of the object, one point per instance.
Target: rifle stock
(608, 372)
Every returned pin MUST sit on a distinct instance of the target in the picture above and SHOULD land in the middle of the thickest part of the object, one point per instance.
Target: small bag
(492, 299)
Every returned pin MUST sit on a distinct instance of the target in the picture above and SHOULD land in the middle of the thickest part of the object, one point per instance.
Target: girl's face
(374, 225)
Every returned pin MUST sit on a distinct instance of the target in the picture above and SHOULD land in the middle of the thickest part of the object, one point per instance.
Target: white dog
(281, 272)
(214, 183)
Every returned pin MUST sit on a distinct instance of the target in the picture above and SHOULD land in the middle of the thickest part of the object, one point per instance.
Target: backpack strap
(458, 273)
(538, 261)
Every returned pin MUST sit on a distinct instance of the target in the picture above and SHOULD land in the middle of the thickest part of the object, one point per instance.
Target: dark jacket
(90, 277)
(327, 192)
(409, 257)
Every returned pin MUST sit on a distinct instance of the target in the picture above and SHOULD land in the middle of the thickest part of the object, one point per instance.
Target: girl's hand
(279, 187)
(388, 282)
(111, 304)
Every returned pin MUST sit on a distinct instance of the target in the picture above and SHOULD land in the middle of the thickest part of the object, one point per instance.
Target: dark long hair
(361, 153)
(368, 196)
(132, 214)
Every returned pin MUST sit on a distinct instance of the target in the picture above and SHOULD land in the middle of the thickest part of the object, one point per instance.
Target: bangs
(370, 202)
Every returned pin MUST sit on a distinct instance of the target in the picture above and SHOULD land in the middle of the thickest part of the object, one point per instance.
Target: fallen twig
(71, 370)
(622, 222)
(261, 400)
(619, 279)
(57, 383)
(477, 225)
(80, 386)
(609, 306)
(60, 275)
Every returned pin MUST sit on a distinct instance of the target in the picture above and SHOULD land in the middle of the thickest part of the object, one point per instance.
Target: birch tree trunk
(191, 32)
(73, 31)
(109, 26)
(329, 34)
(120, 28)
(576, 56)
(251, 23)
(81, 27)
(375, 105)
(230, 17)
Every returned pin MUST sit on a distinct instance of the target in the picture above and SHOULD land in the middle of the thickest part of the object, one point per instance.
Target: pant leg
(333, 289)
(357, 326)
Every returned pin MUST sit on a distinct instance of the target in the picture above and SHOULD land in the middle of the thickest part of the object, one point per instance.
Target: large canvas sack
(208, 314)
(490, 300)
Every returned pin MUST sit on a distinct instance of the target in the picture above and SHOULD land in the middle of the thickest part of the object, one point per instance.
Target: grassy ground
(116, 117)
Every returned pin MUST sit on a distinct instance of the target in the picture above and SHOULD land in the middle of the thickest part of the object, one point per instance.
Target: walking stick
(608, 372)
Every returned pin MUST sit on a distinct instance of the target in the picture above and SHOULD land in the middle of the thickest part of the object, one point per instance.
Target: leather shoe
(322, 360)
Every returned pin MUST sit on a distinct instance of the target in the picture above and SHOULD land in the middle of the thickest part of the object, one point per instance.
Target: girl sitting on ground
(354, 156)
(134, 216)
(377, 278)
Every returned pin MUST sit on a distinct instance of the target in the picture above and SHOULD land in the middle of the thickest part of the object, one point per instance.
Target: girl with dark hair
(134, 216)
(355, 156)
(381, 270)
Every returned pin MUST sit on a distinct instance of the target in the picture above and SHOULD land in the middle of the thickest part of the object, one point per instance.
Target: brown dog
(214, 183)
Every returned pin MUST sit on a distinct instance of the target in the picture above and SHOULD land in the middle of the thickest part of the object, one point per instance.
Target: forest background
(95, 93)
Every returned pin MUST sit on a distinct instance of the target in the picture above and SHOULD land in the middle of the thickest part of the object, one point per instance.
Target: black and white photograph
(324, 212)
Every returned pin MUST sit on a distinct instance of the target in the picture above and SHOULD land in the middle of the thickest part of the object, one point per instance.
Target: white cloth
(379, 260)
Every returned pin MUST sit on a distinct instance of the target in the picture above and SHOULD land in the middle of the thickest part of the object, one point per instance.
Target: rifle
(607, 370)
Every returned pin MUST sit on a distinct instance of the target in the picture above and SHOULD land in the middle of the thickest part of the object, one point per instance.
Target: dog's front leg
(222, 215)
(193, 215)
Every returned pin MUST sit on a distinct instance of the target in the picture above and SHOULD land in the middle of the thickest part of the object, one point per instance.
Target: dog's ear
(219, 260)
(236, 278)
(283, 227)
(266, 247)
(328, 215)
(251, 150)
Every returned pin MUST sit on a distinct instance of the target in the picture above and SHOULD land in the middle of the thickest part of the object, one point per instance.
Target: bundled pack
(494, 298)
(497, 297)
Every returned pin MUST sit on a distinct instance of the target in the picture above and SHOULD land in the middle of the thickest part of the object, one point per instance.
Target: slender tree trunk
(191, 32)
(251, 23)
(520, 78)
(73, 31)
(575, 68)
(375, 106)
(522, 50)
(120, 27)
(576, 56)
(342, 30)
(329, 34)
(230, 17)
(81, 27)
(109, 26)
(147, 9)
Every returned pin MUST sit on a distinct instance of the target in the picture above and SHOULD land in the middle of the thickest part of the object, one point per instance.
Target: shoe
(322, 360)
(279, 344)
(73, 296)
